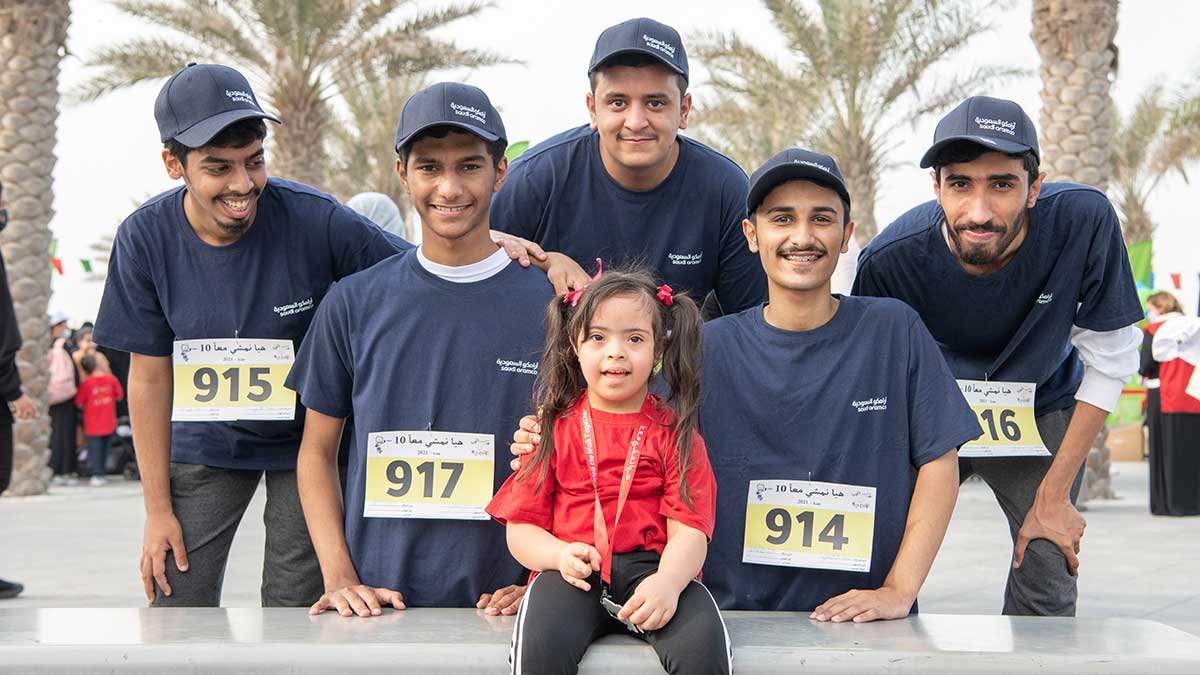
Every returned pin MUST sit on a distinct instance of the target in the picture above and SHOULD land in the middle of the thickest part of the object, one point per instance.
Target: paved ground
(78, 547)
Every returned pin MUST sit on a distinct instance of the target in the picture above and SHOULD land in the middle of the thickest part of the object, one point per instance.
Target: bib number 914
(779, 522)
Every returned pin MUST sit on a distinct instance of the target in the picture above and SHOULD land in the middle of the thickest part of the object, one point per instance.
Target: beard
(983, 253)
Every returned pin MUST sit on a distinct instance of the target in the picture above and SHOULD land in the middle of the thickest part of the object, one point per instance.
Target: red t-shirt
(1173, 378)
(98, 396)
(565, 504)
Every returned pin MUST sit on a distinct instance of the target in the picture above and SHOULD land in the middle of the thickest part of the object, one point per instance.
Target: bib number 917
(400, 474)
(207, 382)
(779, 523)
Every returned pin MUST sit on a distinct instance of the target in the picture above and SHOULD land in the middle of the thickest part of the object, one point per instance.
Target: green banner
(1140, 257)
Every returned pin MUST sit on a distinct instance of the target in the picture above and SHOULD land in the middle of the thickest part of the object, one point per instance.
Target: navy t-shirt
(1013, 325)
(688, 228)
(405, 350)
(862, 400)
(165, 284)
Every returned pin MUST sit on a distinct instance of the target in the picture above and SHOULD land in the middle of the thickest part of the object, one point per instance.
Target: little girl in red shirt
(619, 497)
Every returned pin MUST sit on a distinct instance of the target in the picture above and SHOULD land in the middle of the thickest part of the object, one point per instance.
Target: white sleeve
(1109, 358)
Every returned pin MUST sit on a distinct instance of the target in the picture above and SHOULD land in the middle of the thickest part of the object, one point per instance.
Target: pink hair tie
(664, 294)
(572, 297)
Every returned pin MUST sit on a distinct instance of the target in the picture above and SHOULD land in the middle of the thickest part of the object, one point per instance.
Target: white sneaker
(97, 481)
(58, 480)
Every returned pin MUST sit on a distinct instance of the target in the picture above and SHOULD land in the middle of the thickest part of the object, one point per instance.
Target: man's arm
(150, 394)
(928, 517)
(1109, 359)
(321, 498)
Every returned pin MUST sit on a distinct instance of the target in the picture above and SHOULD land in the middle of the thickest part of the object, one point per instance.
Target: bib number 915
(208, 382)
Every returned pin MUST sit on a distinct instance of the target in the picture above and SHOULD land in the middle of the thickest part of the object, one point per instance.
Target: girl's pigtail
(681, 371)
(558, 383)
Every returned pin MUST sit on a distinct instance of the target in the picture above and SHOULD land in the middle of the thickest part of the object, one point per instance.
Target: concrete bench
(463, 641)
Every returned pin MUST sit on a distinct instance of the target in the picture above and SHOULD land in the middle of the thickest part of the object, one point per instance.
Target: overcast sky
(108, 151)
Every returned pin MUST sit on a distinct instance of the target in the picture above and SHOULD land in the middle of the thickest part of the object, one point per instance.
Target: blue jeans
(98, 454)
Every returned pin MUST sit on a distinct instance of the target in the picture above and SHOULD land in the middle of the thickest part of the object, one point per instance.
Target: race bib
(429, 474)
(1005, 411)
(227, 379)
(800, 523)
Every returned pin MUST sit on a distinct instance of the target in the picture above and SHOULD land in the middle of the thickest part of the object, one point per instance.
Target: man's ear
(1034, 190)
(750, 231)
(403, 174)
(172, 164)
(685, 107)
(501, 174)
(846, 236)
(591, 106)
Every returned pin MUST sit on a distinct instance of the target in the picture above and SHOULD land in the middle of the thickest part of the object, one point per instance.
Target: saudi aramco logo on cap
(812, 164)
(469, 111)
(996, 124)
(664, 47)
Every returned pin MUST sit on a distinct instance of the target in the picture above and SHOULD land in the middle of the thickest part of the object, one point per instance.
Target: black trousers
(557, 622)
(63, 451)
(6, 455)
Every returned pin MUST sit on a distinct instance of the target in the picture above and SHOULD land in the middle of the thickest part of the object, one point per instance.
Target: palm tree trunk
(33, 36)
(1079, 59)
(856, 161)
(299, 152)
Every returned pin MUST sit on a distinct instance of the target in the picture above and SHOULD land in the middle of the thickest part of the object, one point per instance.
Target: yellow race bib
(429, 474)
(227, 379)
(798, 523)
(1005, 411)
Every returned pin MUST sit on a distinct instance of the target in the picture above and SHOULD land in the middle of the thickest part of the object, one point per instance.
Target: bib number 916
(779, 522)
(208, 384)
(1007, 424)
(400, 474)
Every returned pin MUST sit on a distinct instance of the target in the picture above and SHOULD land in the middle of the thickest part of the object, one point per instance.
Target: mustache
(794, 250)
(989, 226)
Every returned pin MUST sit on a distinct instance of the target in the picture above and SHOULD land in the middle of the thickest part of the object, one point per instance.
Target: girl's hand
(652, 604)
(576, 562)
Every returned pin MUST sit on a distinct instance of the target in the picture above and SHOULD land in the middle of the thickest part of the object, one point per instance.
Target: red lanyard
(604, 543)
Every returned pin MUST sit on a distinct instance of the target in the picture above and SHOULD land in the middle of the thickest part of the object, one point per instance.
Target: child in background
(618, 497)
(97, 396)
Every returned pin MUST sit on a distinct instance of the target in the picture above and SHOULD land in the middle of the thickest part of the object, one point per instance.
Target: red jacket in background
(98, 396)
(1173, 379)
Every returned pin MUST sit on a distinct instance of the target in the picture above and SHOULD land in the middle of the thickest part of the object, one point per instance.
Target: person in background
(97, 397)
(18, 405)
(60, 392)
(85, 346)
(1159, 307)
(379, 209)
(1176, 347)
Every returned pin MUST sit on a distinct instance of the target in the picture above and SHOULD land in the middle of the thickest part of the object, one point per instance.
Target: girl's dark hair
(677, 342)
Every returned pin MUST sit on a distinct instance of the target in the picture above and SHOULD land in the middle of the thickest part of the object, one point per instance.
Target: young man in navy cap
(1027, 288)
(817, 411)
(628, 186)
(212, 286)
(411, 529)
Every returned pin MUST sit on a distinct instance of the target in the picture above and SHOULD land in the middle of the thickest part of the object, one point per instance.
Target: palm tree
(857, 72)
(33, 35)
(364, 143)
(295, 51)
(1160, 136)
(1079, 62)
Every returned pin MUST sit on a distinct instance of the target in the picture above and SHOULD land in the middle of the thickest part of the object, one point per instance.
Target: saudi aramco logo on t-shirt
(517, 366)
(865, 405)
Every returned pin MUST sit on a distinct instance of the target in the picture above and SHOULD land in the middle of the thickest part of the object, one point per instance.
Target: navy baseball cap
(641, 36)
(994, 123)
(454, 104)
(796, 164)
(201, 100)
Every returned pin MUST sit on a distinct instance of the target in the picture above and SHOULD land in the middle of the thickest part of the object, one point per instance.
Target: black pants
(63, 451)
(557, 622)
(6, 455)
